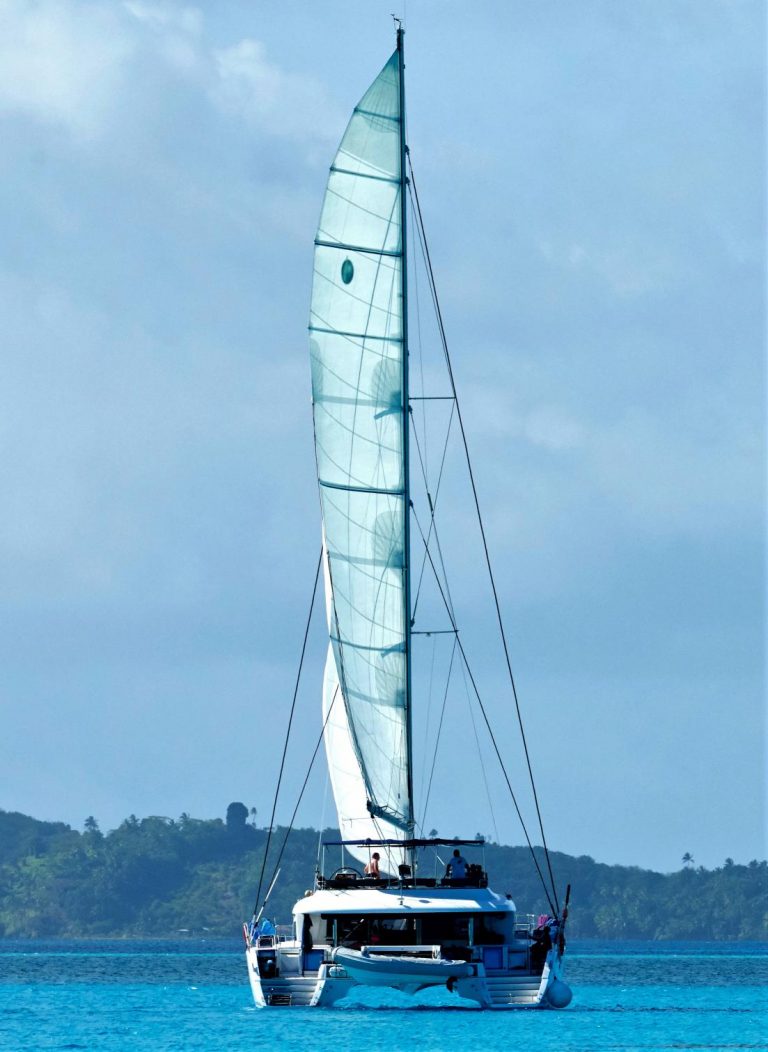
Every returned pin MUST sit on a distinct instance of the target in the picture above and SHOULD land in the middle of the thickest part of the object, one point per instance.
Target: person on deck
(541, 942)
(457, 867)
(372, 868)
(307, 943)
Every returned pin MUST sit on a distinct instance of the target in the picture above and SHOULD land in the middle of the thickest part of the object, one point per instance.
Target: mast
(406, 424)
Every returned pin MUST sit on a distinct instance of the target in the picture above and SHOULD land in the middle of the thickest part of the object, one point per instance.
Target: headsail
(356, 345)
(349, 791)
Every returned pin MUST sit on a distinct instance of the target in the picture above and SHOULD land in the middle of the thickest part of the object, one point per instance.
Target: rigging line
(433, 524)
(288, 732)
(480, 755)
(433, 503)
(425, 254)
(322, 819)
(497, 604)
(423, 400)
(301, 793)
(429, 711)
(490, 729)
(439, 729)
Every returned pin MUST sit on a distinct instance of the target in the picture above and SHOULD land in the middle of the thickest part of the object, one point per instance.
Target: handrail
(352, 881)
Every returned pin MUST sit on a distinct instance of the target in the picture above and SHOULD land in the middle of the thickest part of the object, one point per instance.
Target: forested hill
(156, 876)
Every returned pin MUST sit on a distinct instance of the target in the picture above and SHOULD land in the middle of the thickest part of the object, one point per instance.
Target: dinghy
(400, 966)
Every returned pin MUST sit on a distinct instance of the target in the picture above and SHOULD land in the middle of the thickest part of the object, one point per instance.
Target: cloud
(74, 65)
(105, 451)
(633, 266)
(286, 105)
(177, 32)
(61, 63)
(188, 20)
(680, 476)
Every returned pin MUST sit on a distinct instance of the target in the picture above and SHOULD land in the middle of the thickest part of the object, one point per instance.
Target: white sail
(356, 346)
(349, 792)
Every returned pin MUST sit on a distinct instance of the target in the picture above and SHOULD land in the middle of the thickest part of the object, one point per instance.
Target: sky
(592, 179)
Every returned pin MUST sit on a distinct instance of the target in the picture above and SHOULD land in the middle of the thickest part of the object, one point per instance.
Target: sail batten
(357, 248)
(362, 489)
(363, 175)
(357, 347)
(355, 335)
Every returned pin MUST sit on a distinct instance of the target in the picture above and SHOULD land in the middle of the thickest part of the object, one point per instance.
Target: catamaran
(387, 925)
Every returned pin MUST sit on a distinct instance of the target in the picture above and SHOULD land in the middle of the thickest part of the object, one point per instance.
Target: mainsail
(358, 387)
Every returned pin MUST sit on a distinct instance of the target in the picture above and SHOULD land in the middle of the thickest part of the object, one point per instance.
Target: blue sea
(116, 996)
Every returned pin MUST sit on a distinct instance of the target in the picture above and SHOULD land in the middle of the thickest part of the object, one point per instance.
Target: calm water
(116, 996)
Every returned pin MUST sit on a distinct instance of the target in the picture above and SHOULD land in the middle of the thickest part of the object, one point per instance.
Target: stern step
(275, 998)
(286, 993)
(513, 989)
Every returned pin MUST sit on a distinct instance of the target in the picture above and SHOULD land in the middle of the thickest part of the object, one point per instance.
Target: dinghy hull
(402, 971)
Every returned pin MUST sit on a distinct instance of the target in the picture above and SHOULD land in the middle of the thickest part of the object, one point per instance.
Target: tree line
(158, 876)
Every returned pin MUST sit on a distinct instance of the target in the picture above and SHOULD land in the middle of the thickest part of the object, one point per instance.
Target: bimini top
(404, 900)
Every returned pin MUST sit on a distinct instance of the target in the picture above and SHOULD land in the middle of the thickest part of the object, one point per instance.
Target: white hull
(331, 982)
(351, 944)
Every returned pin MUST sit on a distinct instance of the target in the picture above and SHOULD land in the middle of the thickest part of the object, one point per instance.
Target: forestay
(356, 346)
